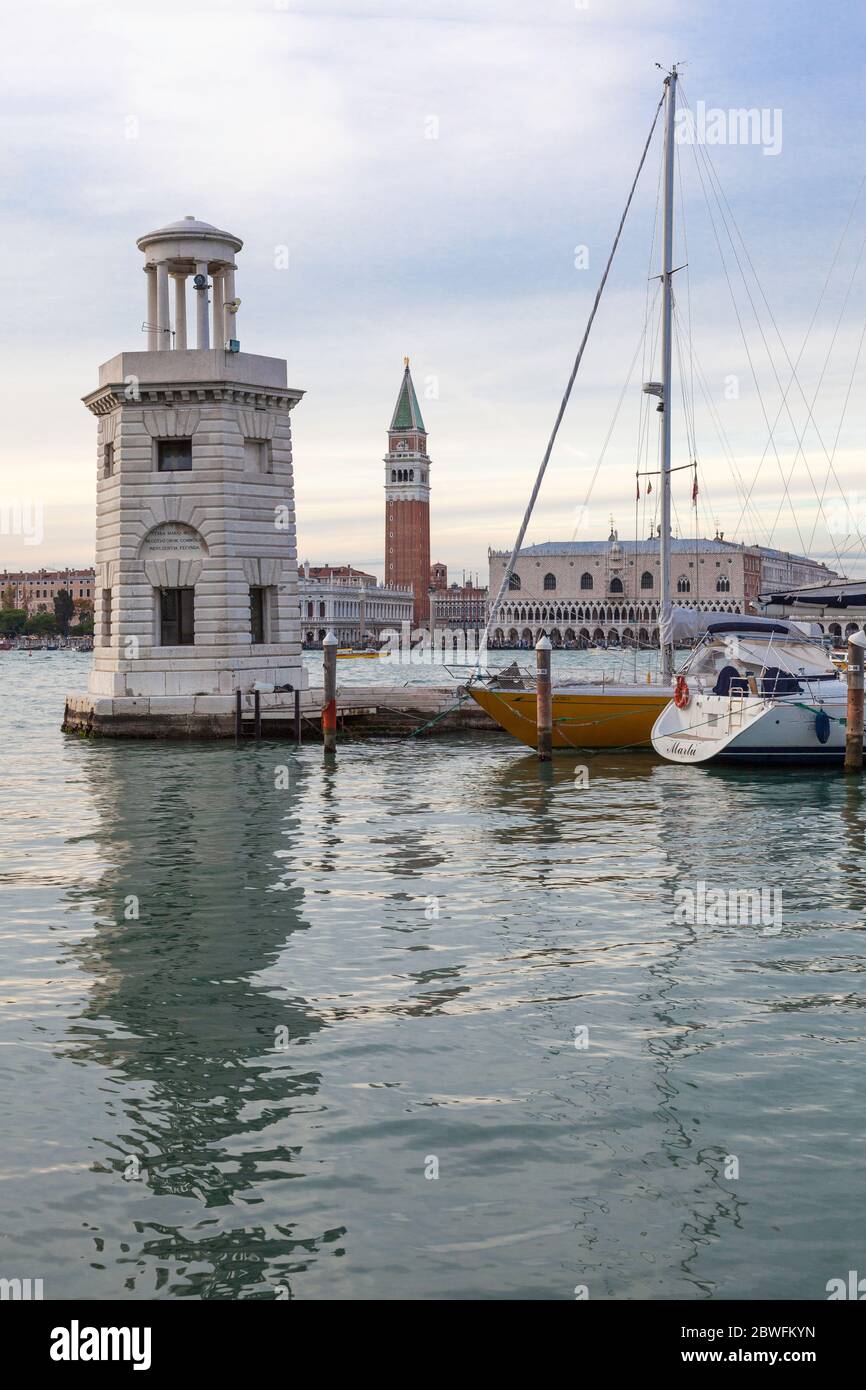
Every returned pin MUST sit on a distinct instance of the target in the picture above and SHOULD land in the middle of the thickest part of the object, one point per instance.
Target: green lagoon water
(334, 987)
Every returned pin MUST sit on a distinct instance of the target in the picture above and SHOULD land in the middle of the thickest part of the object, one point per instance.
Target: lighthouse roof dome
(192, 228)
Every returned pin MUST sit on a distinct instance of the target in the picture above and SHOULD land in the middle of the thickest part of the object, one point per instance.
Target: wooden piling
(238, 717)
(257, 707)
(854, 725)
(329, 704)
(543, 700)
(297, 716)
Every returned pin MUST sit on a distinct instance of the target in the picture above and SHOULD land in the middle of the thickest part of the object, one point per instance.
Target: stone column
(180, 311)
(231, 320)
(219, 334)
(150, 318)
(163, 321)
(202, 336)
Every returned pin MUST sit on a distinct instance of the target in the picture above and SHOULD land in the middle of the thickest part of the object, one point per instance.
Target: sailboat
(591, 713)
(756, 691)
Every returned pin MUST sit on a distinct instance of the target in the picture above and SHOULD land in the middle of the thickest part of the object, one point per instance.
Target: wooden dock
(380, 711)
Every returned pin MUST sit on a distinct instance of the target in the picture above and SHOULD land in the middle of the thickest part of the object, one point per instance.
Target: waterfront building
(35, 590)
(608, 591)
(351, 604)
(196, 565)
(339, 574)
(462, 607)
(779, 569)
(407, 501)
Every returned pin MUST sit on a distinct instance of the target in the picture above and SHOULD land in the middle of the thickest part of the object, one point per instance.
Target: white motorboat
(755, 690)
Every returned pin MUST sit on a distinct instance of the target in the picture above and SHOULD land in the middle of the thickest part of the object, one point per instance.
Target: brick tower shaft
(407, 500)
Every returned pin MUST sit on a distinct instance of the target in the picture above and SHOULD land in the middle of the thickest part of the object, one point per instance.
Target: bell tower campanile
(407, 500)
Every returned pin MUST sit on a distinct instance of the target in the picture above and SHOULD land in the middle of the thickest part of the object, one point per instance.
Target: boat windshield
(803, 658)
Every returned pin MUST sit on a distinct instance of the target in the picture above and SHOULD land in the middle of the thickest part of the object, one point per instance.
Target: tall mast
(665, 622)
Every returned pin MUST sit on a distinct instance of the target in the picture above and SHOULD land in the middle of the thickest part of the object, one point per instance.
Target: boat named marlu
(755, 690)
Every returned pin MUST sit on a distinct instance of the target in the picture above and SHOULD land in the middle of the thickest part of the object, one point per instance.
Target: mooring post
(238, 717)
(297, 716)
(329, 705)
(257, 706)
(854, 724)
(543, 700)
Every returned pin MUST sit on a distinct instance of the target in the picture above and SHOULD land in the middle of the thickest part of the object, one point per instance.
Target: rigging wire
(722, 199)
(859, 537)
(607, 439)
(727, 448)
(509, 569)
(741, 327)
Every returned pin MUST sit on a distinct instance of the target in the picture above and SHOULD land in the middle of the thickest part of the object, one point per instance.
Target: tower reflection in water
(205, 1060)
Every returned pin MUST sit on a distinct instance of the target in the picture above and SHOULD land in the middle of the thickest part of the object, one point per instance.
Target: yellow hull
(598, 717)
(358, 656)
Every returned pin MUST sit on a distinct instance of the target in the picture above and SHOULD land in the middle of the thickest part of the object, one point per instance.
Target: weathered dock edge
(362, 712)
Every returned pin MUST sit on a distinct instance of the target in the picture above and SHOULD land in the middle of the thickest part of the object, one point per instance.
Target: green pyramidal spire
(407, 413)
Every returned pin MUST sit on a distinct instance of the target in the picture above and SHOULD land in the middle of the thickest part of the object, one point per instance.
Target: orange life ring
(682, 697)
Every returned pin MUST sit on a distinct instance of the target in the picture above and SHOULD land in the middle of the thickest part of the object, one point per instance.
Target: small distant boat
(6, 645)
(347, 654)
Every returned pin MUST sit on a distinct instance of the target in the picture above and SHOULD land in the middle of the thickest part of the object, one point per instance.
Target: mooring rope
(436, 718)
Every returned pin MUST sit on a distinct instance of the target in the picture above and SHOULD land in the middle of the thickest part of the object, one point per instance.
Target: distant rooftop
(651, 545)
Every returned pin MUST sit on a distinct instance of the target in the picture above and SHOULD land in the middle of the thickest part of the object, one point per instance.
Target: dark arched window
(550, 581)
(616, 586)
(514, 581)
(586, 581)
(646, 580)
(684, 586)
(723, 584)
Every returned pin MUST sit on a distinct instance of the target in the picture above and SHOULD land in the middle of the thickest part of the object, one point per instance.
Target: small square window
(173, 455)
(107, 460)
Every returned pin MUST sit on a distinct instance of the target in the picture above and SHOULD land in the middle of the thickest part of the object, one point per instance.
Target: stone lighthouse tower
(196, 562)
(407, 500)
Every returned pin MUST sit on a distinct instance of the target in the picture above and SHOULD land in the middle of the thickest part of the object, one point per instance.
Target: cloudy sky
(433, 167)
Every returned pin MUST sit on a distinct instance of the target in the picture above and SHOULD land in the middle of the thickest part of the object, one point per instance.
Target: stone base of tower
(195, 678)
(171, 716)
